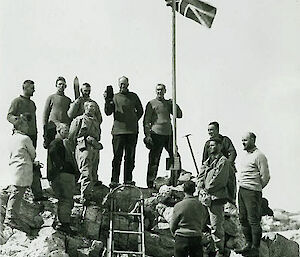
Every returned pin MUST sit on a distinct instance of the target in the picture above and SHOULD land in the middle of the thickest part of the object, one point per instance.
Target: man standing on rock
(187, 223)
(55, 111)
(158, 130)
(85, 135)
(25, 106)
(62, 175)
(127, 110)
(212, 185)
(228, 151)
(254, 176)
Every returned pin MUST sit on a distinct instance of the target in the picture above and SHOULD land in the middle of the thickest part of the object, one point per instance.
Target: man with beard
(25, 106)
(254, 176)
(158, 130)
(212, 182)
(85, 135)
(127, 110)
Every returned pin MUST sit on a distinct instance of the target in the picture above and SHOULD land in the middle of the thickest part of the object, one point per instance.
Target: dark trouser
(250, 215)
(36, 186)
(120, 143)
(64, 186)
(159, 143)
(188, 246)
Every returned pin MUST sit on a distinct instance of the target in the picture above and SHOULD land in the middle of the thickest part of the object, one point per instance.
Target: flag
(196, 10)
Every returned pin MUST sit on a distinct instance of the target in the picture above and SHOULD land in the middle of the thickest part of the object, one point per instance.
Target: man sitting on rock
(62, 174)
(187, 222)
(21, 161)
(212, 185)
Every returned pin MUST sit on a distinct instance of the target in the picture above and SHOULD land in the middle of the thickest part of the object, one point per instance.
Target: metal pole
(174, 77)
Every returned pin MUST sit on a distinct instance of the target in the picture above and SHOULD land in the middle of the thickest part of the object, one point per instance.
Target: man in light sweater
(127, 110)
(158, 130)
(187, 222)
(254, 176)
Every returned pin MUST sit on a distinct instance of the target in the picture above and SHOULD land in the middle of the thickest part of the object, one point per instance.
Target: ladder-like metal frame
(111, 252)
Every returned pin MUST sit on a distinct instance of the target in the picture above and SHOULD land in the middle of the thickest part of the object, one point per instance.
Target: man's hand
(148, 142)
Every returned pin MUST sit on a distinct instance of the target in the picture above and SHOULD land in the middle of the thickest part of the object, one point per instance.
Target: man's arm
(12, 115)
(174, 220)
(179, 111)
(205, 153)
(74, 108)
(139, 108)
(230, 149)
(147, 122)
(98, 114)
(74, 129)
(262, 164)
(47, 110)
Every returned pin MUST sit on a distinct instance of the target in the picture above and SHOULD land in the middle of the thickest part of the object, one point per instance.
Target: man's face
(90, 109)
(123, 84)
(160, 91)
(86, 91)
(247, 142)
(213, 147)
(61, 85)
(28, 90)
(212, 131)
(64, 131)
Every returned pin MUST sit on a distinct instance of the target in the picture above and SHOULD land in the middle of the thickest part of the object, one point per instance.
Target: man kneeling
(62, 174)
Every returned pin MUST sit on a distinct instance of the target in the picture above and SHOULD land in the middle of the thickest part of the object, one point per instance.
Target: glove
(148, 142)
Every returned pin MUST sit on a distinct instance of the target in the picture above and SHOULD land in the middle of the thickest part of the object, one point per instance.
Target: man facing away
(55, 111)
(158, 130)
(25, 106)
(254, 176)
(62, 175)
(77, 107)
(212, 185)
(127, 110)
(228, 151)
(21, 157)
(85, 135)
(187, 223)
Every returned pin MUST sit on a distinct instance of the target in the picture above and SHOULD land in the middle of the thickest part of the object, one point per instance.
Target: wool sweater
(188, 217)
(23, 105)
(157, 118)
(254, 171)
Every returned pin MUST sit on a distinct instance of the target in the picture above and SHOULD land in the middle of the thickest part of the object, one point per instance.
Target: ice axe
(189, 143)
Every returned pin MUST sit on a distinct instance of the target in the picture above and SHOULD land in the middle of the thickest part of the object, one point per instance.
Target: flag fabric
(196, 10)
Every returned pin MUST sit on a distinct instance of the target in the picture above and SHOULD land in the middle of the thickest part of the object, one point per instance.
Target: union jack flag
(196, 10)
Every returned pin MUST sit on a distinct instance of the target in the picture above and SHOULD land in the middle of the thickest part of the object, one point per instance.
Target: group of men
(216, 186)
(72, 138)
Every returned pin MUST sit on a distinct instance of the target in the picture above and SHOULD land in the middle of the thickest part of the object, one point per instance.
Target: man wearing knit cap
(55, 111)
(254, 176)
(127, 110)
(158, 130)
(25, 106)
(77, 107)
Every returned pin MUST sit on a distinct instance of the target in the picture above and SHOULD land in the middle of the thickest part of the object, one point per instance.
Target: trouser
(87, 161)
(64, 186)
(14, 202)
(36, 185)
(121, 143)
(250, 215)
(159, 142)
(216, 216)
(188, 246)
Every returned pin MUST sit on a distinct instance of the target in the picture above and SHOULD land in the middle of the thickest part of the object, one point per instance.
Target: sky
(244, 72)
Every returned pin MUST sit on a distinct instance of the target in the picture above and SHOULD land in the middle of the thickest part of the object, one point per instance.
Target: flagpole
(174, 106)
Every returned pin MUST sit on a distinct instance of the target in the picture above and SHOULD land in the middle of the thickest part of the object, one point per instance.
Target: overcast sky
(244, 72)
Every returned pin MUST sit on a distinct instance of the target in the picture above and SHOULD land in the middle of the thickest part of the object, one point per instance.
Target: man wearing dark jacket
(187, 223)
(127, 110)
(212, 183)
(62, 174)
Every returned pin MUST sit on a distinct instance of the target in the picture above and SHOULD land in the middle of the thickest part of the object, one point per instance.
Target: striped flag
(196, 10)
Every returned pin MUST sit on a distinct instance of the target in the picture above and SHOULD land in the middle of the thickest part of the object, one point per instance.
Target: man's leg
(129, 163)
(181, 248)
(216, 216)
(95, 165)
(118, 147)
(14, 203)
(195, 247)
(154, 158)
